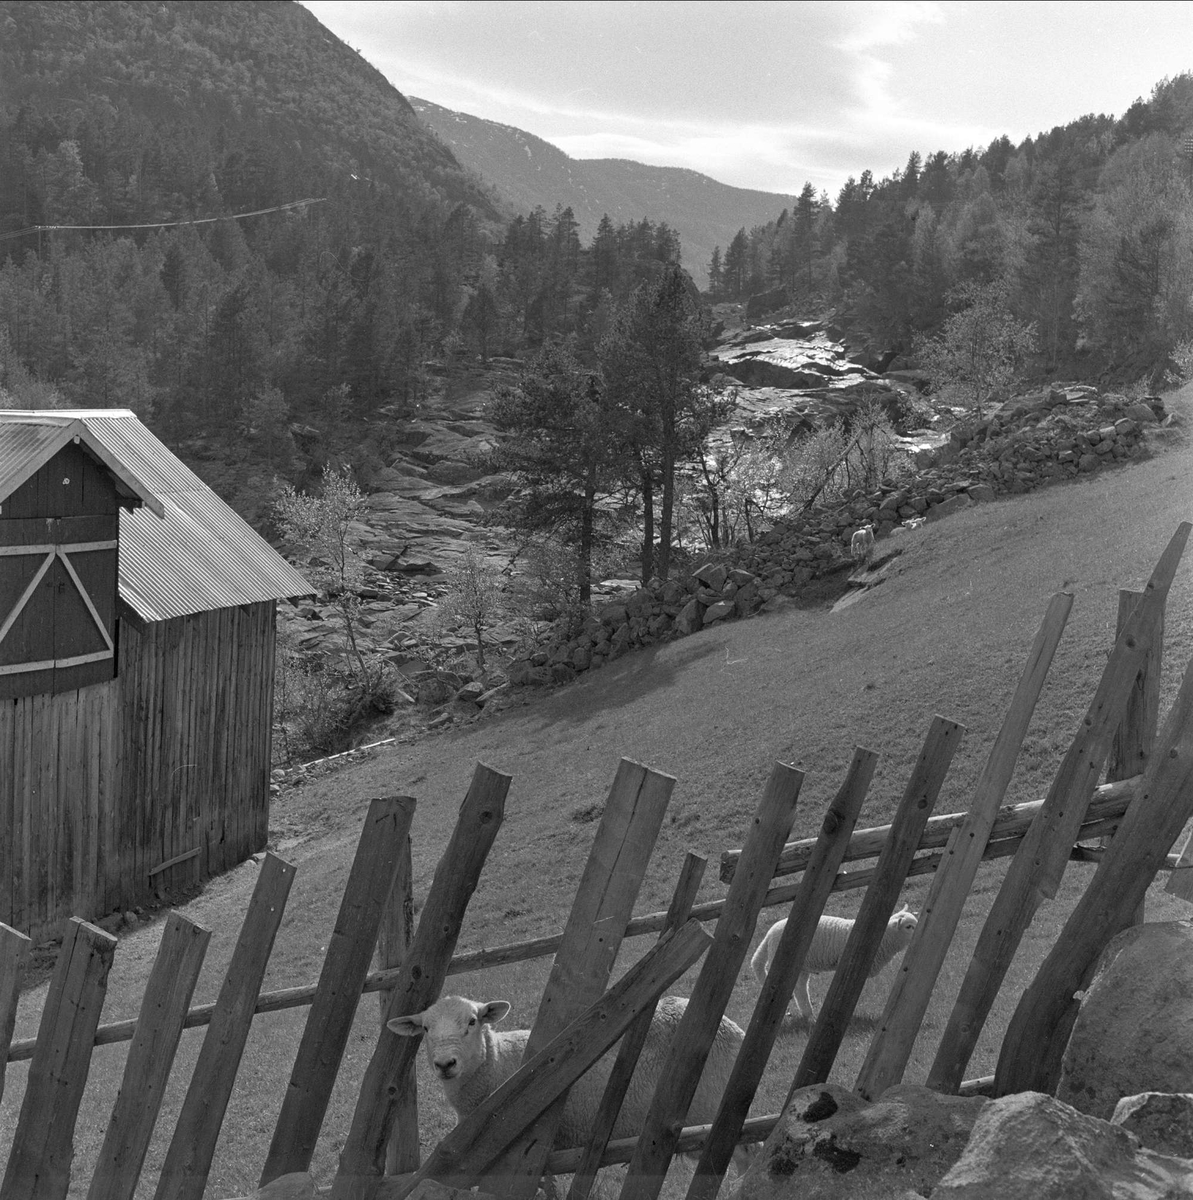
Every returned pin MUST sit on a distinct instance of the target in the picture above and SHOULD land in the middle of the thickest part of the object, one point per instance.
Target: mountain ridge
(529, 171)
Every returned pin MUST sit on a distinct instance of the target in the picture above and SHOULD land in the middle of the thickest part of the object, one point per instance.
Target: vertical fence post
(802, 921)
(601, 910)
(680, 1075)
(43, 1143)
(1136, 736)
(1036, 1037)
(684, 897)
(385, 831)
(941, 911)
(188, 1160)
(1039, 863)
(890, 872)
(362, 1160)
(393, 944)
(14, 953)
(150, 1057)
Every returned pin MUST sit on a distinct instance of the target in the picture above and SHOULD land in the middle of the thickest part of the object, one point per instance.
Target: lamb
(472, 1059)
(828, 944)
(861, 546)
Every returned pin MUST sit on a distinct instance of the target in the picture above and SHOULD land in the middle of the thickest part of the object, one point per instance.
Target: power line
(260, 212)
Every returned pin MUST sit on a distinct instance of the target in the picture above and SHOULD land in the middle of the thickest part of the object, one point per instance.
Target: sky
(770, 95)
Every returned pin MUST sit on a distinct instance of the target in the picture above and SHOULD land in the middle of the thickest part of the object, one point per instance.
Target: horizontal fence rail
(1106, 809)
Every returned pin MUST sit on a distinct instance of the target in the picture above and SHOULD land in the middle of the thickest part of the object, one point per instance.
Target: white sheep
(828, 944)
(472, 1059)
(861, 545)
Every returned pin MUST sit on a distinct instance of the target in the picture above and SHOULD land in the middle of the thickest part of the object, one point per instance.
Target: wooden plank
(21, 802)
(393, 944)
(698, 1027)
(43, 1142)
(14, 954)
(147, 1069)
(8, 752)
(1036, 870)
(890, 1049)
(362, 1159)
(682, 899)
(385, 832)
(475, 1151)
(1038, 1032)
(944, 736)
(592, 937)
(188, 1160)
(839, 820)
(1136, 736)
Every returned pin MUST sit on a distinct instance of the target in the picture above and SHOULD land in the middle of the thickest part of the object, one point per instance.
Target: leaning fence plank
(1136, 736)
(592, 938)
(14, 953)
(147, 1068)
(890, 872)
(1035, 1040)
(362, 1160)
(43, 1142)
(349, 952)
(1038, 866)
(684, 896)
(698, 1027)
(940, 913)
(476, 1150)
(188, 1159)
(839, 821)
(393, 944)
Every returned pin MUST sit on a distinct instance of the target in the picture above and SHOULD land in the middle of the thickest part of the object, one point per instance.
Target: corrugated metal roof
(200, 555)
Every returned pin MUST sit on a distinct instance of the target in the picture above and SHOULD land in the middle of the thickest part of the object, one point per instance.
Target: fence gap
(907, 1003)
(698, 1027)
(802, 920)
(593, 935)
(43, 1142)
(391, 1067)
(385, 831)
(188, 1160)
(890, 873)
(147, 1069)
(684, 896)
(1039, 863)
(1039, 1030)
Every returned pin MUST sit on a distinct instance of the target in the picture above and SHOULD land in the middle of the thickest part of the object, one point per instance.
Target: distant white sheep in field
(472, 1059)
(828, 944)
(861, 545)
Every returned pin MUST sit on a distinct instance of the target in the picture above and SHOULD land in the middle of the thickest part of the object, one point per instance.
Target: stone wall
(1036, 440)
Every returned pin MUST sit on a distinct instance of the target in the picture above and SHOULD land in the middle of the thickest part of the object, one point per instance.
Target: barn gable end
(136, 670)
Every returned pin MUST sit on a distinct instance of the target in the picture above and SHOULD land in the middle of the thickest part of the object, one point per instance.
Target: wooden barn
(137, 620)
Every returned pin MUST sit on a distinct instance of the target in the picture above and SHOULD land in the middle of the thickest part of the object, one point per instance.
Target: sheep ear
(492, 1012)
(410, 1026)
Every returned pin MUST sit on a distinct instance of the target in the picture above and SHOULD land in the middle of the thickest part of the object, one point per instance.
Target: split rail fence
(1132, 820)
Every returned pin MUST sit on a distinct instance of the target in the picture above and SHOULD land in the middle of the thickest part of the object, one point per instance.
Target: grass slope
(948, 634)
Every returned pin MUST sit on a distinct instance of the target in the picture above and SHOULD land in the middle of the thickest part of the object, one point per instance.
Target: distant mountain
(529, 172)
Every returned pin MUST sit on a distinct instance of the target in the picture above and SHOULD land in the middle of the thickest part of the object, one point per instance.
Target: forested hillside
(1087, 230)
(533, 173)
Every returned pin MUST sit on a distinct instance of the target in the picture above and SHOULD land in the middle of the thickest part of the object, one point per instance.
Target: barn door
(57, 603)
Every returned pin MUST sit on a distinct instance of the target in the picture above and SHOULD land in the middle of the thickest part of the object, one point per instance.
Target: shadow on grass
(626, 679)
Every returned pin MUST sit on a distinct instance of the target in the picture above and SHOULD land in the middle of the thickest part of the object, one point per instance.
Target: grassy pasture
(948, 634)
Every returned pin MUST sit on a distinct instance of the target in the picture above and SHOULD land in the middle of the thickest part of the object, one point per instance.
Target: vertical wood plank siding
(106, 783)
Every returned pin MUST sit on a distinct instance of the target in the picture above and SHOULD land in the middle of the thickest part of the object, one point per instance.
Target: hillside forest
(222, 217)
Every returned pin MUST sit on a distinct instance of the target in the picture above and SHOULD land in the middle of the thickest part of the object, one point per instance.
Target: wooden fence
(505, 1145)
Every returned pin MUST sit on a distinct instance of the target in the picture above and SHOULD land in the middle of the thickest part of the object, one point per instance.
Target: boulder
(981, 493)
(1134, 1032)
(690, 618)
(1162, 1121)
(1141, 413)
(830, 1143)
(1033, 1145)
(713, 575)
(718, 611)
(948, 507)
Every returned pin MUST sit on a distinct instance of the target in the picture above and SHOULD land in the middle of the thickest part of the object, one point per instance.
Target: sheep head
(454, 1030)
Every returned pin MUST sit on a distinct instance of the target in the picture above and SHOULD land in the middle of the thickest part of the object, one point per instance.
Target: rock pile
(1034, 441)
